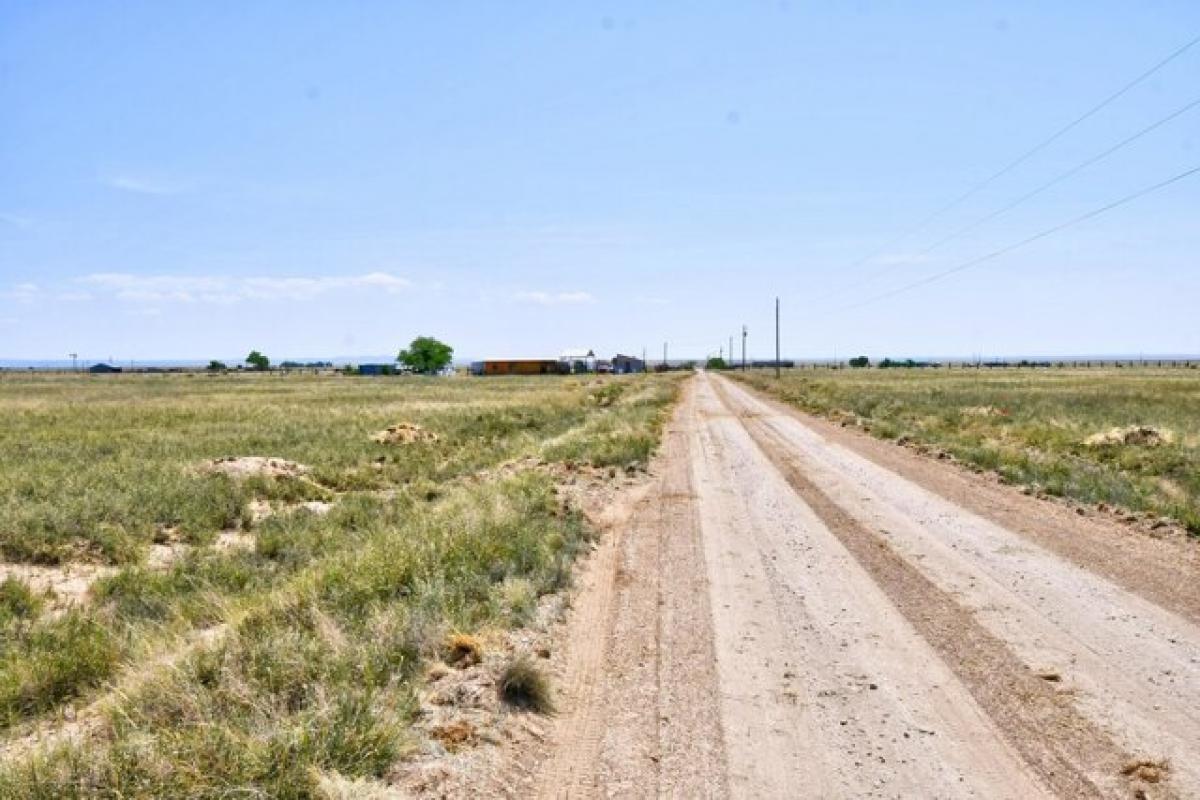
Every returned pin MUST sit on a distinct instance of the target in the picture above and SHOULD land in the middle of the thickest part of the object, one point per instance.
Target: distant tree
(426, 355)
(860, 362)
(258, 361)
(716, 362)
(216, 366)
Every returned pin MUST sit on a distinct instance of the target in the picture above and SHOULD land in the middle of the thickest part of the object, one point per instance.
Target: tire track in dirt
(637, 717)
(1073, 753)
(1129, 665)
(825, 690)
(1162, 569)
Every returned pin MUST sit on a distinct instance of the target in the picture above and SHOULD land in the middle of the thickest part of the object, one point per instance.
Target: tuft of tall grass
(18, 603)
(55, 660)
(523, 685)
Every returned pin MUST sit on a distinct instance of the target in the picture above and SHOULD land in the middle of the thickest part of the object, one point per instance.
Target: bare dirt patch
(404, 433)
(64, 585)
(1132, 435)
(984, 411)
(234, 540)
(261, 510)
(241, 467)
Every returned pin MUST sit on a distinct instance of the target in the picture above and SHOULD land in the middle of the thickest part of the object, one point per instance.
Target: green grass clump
(18, 603)
(54, 661)
(1031, 426)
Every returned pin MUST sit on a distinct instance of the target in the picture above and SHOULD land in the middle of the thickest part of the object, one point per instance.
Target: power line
(1129, 198)
(1025, 156)
(1048, 184)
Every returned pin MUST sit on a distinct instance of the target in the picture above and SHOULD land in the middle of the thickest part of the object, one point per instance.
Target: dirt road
(796, 611)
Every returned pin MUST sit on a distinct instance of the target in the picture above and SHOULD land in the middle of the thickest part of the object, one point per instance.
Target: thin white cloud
(554, 298)
(144, 184)
(16, 220)
(22, 292)
(227, 290)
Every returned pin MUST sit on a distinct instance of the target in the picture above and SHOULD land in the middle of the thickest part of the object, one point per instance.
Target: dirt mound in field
(1142, 435)
(404, 433)
(254, 466)
(985, 411)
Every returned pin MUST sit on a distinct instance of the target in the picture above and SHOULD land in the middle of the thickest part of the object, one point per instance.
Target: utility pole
(743, 348)
(730, 349)
(664, 355)
(74, 361)
(643, 358)
(777, 338)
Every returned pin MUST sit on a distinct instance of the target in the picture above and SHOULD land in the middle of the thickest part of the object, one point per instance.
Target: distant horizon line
(337, 361)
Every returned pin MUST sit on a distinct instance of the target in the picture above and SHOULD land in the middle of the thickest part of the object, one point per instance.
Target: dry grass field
(175, 623)
(1127, 438)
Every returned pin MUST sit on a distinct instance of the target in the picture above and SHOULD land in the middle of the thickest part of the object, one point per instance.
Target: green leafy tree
(860, 362)
(258, 361)
(426, 355)
(217, 366)
(716, 362)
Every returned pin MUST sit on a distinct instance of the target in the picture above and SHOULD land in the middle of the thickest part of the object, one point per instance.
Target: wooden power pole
(777, 338)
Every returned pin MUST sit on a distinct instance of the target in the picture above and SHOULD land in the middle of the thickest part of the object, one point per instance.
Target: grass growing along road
(325, 617)
(1051, 429)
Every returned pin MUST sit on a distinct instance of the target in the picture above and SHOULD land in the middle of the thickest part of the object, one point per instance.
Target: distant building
(579, 360)
(603, 366)
(518, 366)
(103, 369)
(626, 365)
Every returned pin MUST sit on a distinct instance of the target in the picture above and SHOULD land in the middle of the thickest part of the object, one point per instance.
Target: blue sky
(189, 180)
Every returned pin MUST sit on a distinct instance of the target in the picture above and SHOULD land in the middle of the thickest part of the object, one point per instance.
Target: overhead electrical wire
(1129, 198)
(1025, 156)
(1062, 176)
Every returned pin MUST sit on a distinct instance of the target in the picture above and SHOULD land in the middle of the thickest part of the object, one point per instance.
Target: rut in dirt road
(787, 618)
